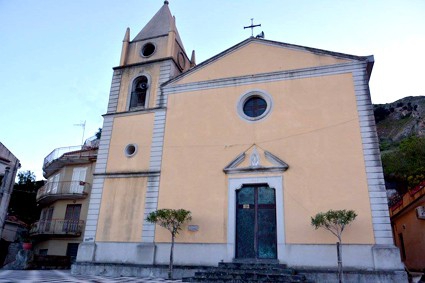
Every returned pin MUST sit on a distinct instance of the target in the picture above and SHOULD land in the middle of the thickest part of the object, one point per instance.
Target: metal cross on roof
(252, 26)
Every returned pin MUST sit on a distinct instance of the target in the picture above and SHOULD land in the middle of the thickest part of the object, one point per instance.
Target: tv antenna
(83, 126)
(252, 26)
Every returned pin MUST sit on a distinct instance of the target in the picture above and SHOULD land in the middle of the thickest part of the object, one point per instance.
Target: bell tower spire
(125, 43)
(159, 39)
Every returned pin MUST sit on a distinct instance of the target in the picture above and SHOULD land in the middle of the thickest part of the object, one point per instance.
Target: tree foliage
(26, 177)
(334, 221)
(23, 202)
(406, 163)
(172, 220)
(98, 133)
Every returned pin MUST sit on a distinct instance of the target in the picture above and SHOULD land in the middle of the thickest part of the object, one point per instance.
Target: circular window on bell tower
(130, 150)
(148, 49)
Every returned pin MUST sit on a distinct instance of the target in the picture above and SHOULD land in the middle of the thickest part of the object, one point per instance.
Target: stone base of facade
(364, 263)
(161, 271)
(363, 257)
(355, 276)
(136, 270)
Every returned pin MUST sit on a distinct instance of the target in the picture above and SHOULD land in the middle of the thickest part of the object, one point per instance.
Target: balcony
(52, 191)
(398, 203)
(63, 156)
(57, 227)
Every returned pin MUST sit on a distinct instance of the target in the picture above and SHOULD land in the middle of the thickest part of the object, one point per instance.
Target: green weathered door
(256, 222)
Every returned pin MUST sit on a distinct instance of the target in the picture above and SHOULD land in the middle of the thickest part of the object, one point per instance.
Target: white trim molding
(275, 182)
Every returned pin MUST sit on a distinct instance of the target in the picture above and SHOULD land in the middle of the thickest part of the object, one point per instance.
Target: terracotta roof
(15, 220)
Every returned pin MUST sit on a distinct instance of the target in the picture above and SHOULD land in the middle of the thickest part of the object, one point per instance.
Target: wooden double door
(256, 235)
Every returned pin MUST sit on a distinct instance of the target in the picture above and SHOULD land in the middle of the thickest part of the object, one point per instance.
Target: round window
(130, 150)
(148, 49)
(254, 105)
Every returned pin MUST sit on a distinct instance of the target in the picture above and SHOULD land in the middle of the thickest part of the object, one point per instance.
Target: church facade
(253, 141)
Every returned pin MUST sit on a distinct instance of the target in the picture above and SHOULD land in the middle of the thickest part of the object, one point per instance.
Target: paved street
(64, 276)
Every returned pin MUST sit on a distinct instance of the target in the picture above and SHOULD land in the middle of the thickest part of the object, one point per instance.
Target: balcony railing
(57, 227)
(62, 190)
(58, 152)
(69, 155)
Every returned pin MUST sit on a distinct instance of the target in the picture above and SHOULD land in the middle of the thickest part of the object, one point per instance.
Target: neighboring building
(12, 227)
(64, 199)
(253, 141)
(408, 221)
(9, 166)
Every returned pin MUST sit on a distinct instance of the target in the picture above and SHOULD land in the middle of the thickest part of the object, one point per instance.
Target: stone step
(244, 266)
(227, 271)
(251, 276)
(240, 280)
(247, 272)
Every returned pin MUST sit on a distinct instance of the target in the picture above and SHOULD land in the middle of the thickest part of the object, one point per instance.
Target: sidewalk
(64, 276)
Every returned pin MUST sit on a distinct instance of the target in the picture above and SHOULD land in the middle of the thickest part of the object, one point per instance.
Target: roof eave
(369, 59)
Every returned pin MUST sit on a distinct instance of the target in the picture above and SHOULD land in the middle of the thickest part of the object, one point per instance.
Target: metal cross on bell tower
(252, 26)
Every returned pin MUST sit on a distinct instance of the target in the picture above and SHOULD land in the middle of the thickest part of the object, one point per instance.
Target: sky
(56, 56)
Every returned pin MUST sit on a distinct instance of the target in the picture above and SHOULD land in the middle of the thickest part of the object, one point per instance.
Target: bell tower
(126, 180)
(158, 42)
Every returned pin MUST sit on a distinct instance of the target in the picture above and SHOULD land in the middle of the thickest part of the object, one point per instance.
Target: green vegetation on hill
(405, 164)
(401, 130)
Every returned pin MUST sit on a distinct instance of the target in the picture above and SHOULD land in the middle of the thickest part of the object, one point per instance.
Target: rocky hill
(400, 119)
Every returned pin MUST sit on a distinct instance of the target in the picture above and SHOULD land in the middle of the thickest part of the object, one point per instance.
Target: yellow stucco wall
(136, 129)
(55, 246)
(412, 230)
(134, 50)
(166, 47)
(121, 211)
(257, 58)
(58, 246)
(313, 127)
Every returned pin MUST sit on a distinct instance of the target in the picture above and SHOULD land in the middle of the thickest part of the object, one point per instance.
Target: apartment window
(72, 218)
(78, 180)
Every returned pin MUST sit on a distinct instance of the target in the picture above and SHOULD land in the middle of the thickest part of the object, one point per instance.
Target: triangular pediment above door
(255, 159)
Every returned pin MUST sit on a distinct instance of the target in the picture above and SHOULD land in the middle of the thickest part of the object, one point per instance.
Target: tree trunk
(338, 250)
(170, 267)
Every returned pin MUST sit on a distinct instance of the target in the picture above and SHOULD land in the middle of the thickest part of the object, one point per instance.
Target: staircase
(235, 272)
